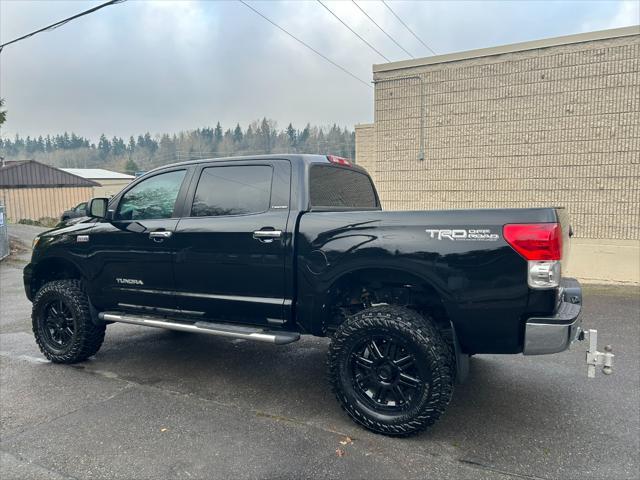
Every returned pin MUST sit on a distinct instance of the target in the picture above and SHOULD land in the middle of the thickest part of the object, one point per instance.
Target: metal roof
(29, 173)
(98, 174)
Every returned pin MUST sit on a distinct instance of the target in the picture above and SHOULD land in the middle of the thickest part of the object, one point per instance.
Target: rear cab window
(341, 188)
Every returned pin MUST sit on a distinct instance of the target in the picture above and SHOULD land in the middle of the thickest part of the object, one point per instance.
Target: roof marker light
(339, 160)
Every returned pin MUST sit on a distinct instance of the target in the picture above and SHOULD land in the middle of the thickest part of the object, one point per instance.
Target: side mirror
(97, 207)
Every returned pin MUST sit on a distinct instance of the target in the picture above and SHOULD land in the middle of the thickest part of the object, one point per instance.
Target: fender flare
(42, 264)
(323, 297)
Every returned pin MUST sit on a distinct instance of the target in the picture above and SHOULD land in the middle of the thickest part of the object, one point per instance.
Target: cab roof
(297, 158)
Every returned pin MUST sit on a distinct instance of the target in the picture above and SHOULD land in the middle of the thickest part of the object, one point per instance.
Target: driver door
(132, 254)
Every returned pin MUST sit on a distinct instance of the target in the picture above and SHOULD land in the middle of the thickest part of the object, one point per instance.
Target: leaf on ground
(346, 441)
(339, 452)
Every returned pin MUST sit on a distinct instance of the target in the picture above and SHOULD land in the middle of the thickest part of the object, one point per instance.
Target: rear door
(233, 244)
(132, 255)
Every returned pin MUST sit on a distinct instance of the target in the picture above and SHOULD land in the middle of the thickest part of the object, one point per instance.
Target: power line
(306, 45)
(53, 26)
(353, 31)
(407, 27)
(382, 30)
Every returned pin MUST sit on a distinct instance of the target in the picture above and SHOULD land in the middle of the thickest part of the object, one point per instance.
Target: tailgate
(567, 233)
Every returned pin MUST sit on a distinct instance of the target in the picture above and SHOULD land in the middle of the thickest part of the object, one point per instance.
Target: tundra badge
(129, 281)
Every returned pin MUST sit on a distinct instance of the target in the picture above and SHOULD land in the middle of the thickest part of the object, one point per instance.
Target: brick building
(548, 122)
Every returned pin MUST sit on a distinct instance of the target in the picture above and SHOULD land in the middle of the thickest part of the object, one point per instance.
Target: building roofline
(85, 182)
(514, 47)
(79, 171)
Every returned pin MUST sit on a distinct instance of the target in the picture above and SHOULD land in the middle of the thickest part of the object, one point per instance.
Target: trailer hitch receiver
(596, 358)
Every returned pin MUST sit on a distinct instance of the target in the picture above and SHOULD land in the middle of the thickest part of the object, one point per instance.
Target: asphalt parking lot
(160, 404)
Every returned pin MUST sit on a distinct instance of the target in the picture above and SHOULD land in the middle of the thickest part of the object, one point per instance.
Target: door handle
(267, 236)
(160, 235)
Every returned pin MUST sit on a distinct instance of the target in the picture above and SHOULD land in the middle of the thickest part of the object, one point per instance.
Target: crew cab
(269, 248)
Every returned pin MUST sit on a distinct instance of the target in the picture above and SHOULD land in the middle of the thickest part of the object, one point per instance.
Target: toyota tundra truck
(269, 248)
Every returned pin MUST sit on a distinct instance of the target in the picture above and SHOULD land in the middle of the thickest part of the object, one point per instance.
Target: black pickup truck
(269, 248)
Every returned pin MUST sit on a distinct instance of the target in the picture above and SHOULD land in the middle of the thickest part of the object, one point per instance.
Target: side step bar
(218, 329)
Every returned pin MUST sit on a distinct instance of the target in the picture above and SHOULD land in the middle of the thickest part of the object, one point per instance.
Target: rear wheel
(62, 323)
(391, 370)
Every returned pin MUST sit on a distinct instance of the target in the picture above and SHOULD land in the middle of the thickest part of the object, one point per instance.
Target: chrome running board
(217, 329)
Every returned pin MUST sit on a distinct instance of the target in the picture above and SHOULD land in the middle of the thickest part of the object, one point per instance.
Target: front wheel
(62, 323)
(391, 370)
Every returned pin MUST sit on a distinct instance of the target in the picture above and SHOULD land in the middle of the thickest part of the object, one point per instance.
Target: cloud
(184, 24)
(626, 14)
(167, 66)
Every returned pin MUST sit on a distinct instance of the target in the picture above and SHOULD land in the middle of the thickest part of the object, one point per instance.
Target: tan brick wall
(556, 126)
(366, 147)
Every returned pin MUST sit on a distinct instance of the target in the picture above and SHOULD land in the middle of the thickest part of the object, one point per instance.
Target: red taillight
(339, 160)
(535, 241)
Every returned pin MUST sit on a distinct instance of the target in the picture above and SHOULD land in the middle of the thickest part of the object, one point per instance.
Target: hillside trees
(146, 151)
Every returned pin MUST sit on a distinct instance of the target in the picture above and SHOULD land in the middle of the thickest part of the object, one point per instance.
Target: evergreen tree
(104, 146)
(304, 136)
(40, 144)
(207, 135)
(266, 134)
(75, 141)
(131, 167)
(118, 146)
(261, 136)
(150, 143)
(3, 113)
(217, 135)
(292, 135)
(320, 142)
(237, 134)
(18, 143)
(167, 150)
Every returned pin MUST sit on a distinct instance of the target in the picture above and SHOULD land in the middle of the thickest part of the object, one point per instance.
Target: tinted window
(340, 188)
(151, 198)
(238, 190)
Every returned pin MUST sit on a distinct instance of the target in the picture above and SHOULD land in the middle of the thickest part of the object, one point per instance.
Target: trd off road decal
(464, 235)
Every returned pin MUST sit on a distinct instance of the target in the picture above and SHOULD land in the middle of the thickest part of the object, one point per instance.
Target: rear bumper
(555, 333)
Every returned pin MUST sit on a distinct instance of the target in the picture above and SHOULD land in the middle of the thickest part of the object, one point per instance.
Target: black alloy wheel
(62, 323)
(59, 325)
(391, 370)
(386, 374)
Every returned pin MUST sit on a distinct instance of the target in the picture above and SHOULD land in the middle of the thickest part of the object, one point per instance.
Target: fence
(4, 234)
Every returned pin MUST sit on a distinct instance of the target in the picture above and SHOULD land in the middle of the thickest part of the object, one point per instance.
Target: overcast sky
(170, 66)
